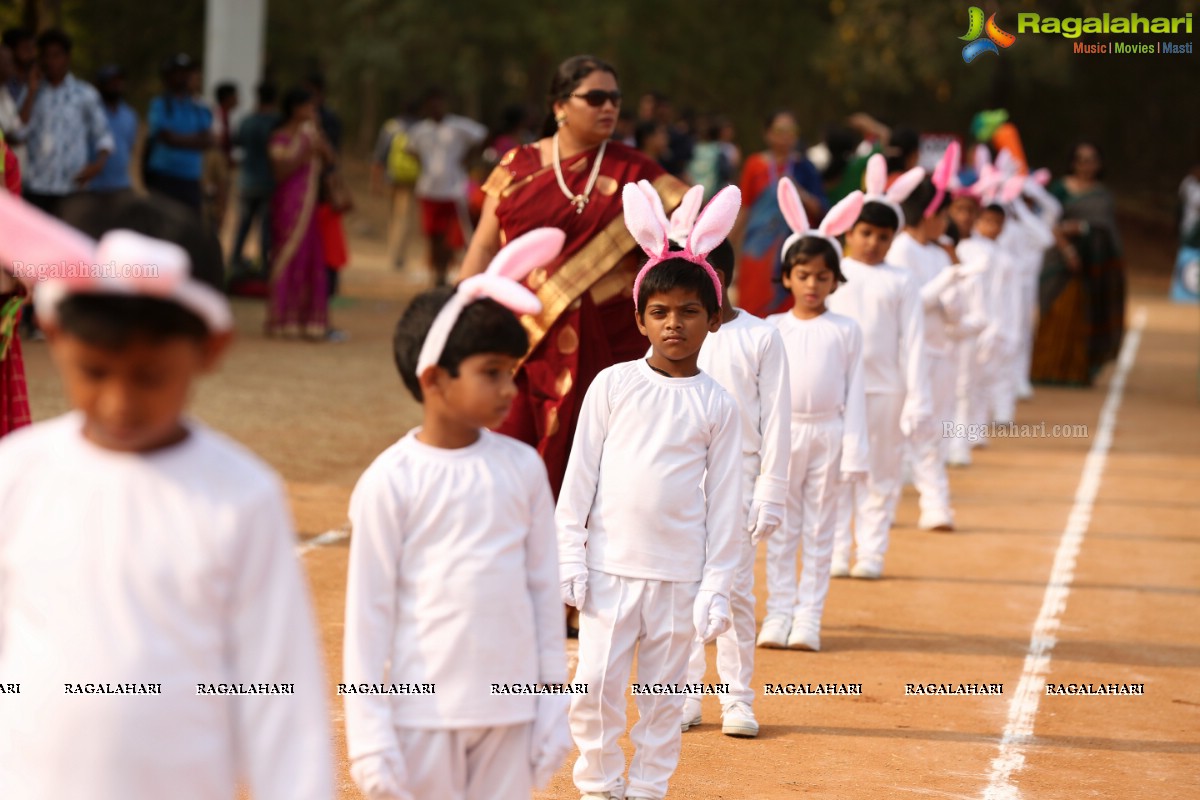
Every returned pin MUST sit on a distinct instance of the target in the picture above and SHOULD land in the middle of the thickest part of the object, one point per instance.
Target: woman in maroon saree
(571, 181)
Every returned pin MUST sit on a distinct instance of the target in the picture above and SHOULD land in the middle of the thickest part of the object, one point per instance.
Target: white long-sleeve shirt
(928, 263)
(886, 303)
(653, 484)
(453, 581)
(1000, 292)
(747, 358)
(163, 572)
(825, 359)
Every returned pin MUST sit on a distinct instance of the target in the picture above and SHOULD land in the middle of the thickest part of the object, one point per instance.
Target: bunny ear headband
(943, 177)
(839, 219)
(59, 261)
(897, 193)
(499, 282)
(703, 230)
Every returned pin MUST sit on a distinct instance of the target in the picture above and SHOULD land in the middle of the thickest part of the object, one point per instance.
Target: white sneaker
(774, 633)
(840, 568)
(595, 796)
(737, 719)
(959, 456)
(803, 637)
(942, 521)
(691, 714)
(868, 570)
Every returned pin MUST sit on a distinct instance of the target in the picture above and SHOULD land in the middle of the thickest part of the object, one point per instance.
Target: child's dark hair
(808, 249)
(678, 273)
(111, 321)
(914, 207)
(995, 208)
(878, 214)
(484, 326)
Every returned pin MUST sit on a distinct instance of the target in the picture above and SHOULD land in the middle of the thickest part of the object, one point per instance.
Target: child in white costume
(453, 579)
(829, 422)
(653, 488)
(885, 301)
(916, 249)
(151, 605)
(746, 357)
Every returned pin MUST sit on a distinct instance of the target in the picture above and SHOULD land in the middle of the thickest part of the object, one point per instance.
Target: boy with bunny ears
(453, 580)
(653, 489)
(144, 551)
(885, 301)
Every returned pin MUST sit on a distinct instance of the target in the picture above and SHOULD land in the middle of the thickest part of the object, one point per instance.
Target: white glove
(551, 740)
(710, 615)
(853, 477)
(765, 518)
(381, 776)
(572, 580)
(914, 427)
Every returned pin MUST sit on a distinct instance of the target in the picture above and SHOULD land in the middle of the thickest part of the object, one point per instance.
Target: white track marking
(327, 538)
(1018, 732)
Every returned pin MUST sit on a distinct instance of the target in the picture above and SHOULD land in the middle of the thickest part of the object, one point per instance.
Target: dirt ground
(955, 608)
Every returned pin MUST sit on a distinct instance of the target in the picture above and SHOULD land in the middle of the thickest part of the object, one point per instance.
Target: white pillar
(234, 36)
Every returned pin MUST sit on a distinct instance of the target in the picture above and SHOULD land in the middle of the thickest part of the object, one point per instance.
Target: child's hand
(710, 615)
(765, 518)
(381, 776)
(849, 476)
(551, 740)
(914, 426)
(573, 583)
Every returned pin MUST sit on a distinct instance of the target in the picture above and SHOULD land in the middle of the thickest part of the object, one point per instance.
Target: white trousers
(971, 409)
(621, 615)
(1029, 309)
(468, 763)
(813, 484)
(929, 453)
(735, 647)
(1003, 397)
(873, 504)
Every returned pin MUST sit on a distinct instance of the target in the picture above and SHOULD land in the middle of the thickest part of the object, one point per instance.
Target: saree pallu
(1082, 320)
(14, 395)
(298, 295)
(587, 321)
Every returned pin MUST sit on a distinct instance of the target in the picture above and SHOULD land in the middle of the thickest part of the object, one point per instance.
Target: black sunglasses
(596, 97)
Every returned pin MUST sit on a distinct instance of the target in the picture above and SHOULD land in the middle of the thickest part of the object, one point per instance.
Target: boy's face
(483, 392)
(990, 224)
(933, 227)
(810, 285)
(676, 323)
(963, 212)
(133, 398)
(869, 243)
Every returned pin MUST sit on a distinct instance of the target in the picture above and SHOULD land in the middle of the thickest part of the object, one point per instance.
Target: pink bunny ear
(903, 186)
(1012, 188)
(684, 218)
(30, 236)
(1041, 176)
(876, 180)
(716, 221)
(526, 253)
(947, 167)
(983, 158)
(642, 222)
(843, 215)
(790, 205)
(655, 203)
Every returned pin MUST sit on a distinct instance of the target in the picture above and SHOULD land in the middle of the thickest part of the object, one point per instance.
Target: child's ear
(714, 322)
(214, 348)
(431, 381)
(637, 318)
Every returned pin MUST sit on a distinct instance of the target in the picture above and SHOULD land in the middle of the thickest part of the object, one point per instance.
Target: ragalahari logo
(996, 38)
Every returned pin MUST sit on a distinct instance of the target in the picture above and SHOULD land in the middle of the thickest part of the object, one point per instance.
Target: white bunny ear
(684, 218)
(527, 252)
(655, 203)
(843, 215)
(983, 158)
(876, 174)
(1041, 176)
(903, 186)
(1012, 188)
(1006, 163)
(642, 222)
(716, 221)
(790, 205)
(30, 236)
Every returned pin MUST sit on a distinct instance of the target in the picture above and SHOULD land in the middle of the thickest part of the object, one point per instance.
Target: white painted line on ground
(327, 538)
(1018, 732)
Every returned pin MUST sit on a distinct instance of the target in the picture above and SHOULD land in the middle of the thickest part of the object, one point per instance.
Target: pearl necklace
(578, 200)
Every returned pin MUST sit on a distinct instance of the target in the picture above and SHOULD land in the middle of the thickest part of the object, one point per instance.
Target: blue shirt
(254, 137)
(67, 124)
(182, 116)
(123, 123)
